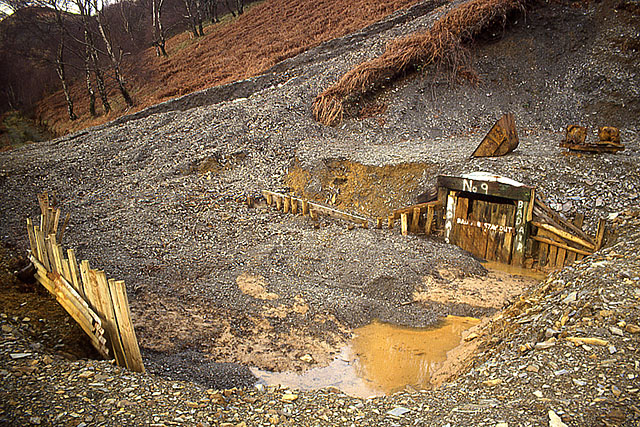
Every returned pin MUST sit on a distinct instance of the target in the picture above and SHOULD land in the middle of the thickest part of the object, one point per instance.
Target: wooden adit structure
(99, 305)
(498, 219)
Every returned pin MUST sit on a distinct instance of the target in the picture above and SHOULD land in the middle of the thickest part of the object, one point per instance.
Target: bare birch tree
(159, 40)
(115, 60)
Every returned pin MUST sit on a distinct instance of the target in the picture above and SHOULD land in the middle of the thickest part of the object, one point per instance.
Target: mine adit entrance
(487, 215)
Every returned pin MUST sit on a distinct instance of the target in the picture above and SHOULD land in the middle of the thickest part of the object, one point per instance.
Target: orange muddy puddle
(515, 271)
(381, 359)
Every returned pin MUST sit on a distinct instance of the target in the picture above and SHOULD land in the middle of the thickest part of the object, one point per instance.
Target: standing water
(381, 359)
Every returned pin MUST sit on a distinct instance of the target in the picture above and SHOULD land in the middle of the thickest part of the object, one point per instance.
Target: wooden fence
(99, 305)
(296, 205)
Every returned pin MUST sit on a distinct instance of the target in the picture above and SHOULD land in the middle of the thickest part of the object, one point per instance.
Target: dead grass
(441, 45)
(265, 34)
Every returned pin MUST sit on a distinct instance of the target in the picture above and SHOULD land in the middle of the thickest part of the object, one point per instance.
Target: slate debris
(157, 200)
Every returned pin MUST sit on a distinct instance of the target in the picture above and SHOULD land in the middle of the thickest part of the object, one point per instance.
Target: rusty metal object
(576, 135)
(501, 139)
(609, 135)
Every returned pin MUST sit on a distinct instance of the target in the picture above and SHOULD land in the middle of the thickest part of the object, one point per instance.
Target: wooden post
(269, 198)
(287, 204)
(125, 327)
(449, 219)
(76, 281)
(390, 222)
(602, 224)
(429, 223)
(404, 224)
(378, 222)
(105, 310)
(305, 208)
(521, 227)
(32, 237)
(294, 206)
(43, 256)
(314, 214)
(250, 201)
(415, 220)
(577, 221)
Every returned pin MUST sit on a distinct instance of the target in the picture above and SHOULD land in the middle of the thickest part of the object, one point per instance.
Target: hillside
(235, 49)
(157, 199)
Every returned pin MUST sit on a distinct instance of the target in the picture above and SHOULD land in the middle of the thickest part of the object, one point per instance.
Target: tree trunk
(87, 72)
(158, 31)
(63, 79)
(240, 6)
(230, 7)
(214, 11)
(198, 4)
(191, 18)
(114, 61)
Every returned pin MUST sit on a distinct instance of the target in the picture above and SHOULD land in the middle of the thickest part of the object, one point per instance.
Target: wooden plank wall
(99, 305)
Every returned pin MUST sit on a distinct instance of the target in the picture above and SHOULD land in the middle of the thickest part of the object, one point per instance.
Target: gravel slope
(156, 200)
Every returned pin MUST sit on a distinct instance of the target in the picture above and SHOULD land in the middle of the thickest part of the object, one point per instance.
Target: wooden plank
(56, 220)
(459, 232)
(126, 331)
(75, 305)
(551, 217)
(74, 272)
(105, 311)
(49, 243)
(508, 213)
(564, 234)
(520, 240)
(602, 225)
(493, 237)
(553, 255)
(489, 188)
(415, 220)
(550, 242)
(500, 140)
(89, 290)
(66, 271)
(543, 250)
(32, 237)
(409, 209)
(404, 224)
(321, 209)
(429, 223)
(577, 221)
(449, 216)
(560, 259)
(43, 201)
(268, 198)
(43, 256)
(477, 241)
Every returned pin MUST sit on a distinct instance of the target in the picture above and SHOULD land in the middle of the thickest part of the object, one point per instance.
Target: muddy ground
(157, 200)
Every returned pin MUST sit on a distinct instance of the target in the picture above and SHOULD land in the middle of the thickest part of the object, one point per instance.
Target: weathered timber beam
(561, 245)
(564, 235)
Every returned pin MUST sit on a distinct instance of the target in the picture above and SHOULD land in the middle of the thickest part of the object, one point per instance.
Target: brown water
(381, 359)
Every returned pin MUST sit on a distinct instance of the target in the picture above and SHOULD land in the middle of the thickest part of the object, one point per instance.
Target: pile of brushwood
(441, 46)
